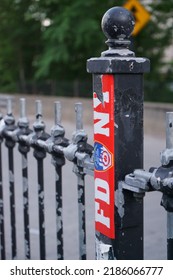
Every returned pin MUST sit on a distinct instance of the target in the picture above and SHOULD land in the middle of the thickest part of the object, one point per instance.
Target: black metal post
(118, 137)
(24, 148)
(2, 228)
(40, 154)
(10, 144)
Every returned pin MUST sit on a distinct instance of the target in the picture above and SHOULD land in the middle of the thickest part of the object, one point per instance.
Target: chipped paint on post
(12, 202)
(58, 160)
(2, 227)
(40, 154)
(104, 251)
(10, 144)
(59, 221)
(26, 205)
(119, 200)
(81, 213)
(41, 208)
(125, 74)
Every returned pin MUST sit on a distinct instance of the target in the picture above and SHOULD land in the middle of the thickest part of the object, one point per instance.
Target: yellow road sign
(140, 14)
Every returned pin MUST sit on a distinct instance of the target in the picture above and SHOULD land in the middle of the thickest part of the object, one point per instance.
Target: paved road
(154, 214)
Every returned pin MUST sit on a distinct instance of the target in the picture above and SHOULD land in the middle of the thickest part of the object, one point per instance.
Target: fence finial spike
(169, 130)
(22, 107)
(58, 112)
(79, 115)
(38, 108)
(9, 106)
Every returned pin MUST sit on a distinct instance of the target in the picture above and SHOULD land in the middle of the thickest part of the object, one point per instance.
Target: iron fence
(60, 148)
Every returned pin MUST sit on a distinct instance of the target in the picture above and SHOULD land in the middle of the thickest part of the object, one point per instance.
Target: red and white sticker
(104, 157)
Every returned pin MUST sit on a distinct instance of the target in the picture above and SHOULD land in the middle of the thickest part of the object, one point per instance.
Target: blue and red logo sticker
(103, 158)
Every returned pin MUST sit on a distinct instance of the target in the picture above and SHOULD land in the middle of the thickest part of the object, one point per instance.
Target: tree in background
(52, 39)
(73, 36)
(20, 43)
(152, 42)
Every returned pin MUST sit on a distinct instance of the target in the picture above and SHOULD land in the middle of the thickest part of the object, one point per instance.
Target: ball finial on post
(118, 132)
(117, 25)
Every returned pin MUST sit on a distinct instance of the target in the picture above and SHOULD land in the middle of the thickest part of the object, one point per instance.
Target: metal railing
(78, 151)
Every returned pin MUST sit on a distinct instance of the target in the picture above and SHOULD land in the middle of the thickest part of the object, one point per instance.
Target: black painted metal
(23, 129)
(58, 140)
(41, 209)
(12, 201)
(10, 144)
(128, 71)
(58, 161)
(40, 154)
(26, 205)
(117, 23)
(59, 221)
(170, 248)
(82, 216)
(2, 230)
(80, 141)
(129, 155)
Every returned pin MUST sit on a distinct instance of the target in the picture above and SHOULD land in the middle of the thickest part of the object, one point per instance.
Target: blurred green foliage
(50, 41)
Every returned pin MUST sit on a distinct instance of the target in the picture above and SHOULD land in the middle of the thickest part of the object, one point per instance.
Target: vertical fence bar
(81, 187)
(2, 231)
(81, 211)
(118, 139)
(59, 221)
(40, 154)
(26, 205)
(57, 133)
(10, 144)
(40, 188)
(12, 201)
(2, 228)
(23, 148)
(41, 208)
(169, 145)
